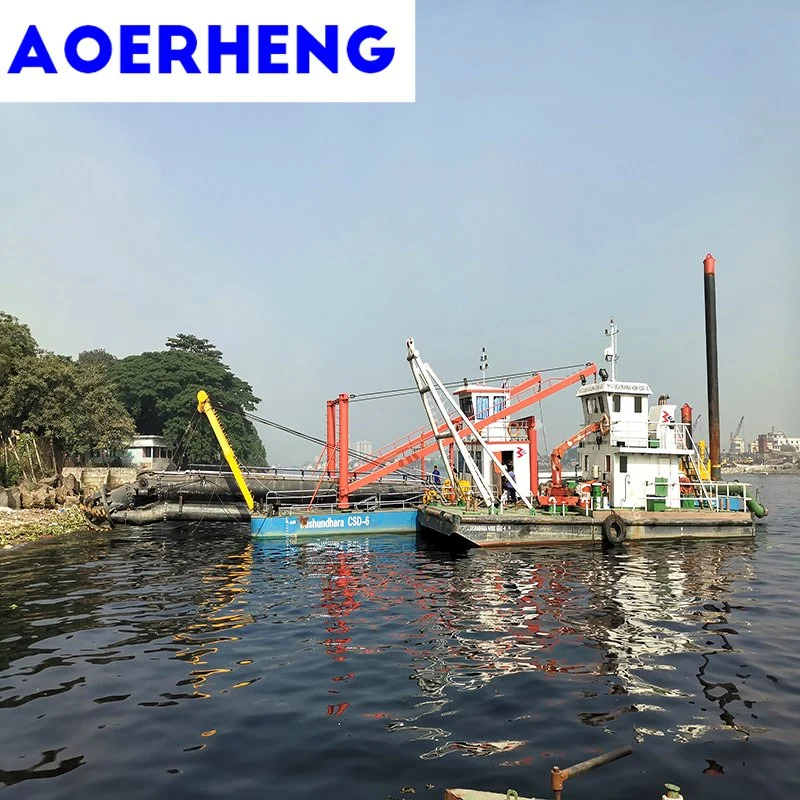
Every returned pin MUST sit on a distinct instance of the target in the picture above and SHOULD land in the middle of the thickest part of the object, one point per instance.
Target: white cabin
(509, 440)
(639, 457)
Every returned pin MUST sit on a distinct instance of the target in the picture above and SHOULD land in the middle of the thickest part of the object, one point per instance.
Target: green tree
(189, 343)
(159, 390)
(16, 345)
(102, 423)
(75, 407)
(100, 358)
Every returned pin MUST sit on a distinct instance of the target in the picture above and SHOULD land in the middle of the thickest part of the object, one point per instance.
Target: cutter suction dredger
(236, 494)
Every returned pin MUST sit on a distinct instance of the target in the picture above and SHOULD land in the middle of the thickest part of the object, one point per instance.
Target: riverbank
(18, 526)
(761, 469)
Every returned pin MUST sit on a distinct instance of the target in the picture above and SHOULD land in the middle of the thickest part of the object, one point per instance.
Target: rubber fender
(615, 529)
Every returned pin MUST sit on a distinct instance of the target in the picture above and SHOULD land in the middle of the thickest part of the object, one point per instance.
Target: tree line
(97, 403)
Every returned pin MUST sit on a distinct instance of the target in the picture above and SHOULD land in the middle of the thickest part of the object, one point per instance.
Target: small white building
(778, 442)
(150, 453)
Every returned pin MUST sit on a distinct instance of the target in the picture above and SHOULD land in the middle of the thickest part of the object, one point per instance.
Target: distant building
(150, 452)
(364, 447)
(775, 442)
(737, 446)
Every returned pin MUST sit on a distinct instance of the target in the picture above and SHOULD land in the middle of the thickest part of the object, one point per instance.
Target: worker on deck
(512, 492)
(437, 481)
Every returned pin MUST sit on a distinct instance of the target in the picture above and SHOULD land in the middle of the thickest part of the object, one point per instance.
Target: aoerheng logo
(176, 47)
(207, 51)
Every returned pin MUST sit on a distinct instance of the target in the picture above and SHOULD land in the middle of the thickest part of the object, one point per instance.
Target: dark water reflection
(199, 663)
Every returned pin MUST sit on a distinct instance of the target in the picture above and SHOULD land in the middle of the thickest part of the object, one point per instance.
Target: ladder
(434, 398)
(696, 464)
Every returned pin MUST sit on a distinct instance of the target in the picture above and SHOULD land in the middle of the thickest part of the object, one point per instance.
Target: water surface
(198, 663)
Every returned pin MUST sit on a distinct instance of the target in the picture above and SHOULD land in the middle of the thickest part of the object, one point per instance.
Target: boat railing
(404, 441)
(402, 504)
(405, 476)
(659, 436)
(703, 495)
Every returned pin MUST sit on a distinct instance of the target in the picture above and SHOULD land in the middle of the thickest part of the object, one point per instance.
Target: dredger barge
(639, 474)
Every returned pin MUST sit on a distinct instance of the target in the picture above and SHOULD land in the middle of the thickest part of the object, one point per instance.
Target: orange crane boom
(426, 450)
(382, 458)
(558, 452)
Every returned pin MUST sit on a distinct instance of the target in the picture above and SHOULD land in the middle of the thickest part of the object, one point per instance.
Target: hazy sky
(564, 162)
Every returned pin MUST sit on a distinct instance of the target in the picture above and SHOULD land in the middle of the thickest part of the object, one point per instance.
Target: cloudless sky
(564, 163)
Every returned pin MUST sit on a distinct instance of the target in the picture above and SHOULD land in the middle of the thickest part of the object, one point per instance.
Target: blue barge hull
(316, 524)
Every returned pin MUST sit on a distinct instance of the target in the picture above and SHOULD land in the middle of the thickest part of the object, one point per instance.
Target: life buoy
(514, 430)
(605, 424)
(615, 529)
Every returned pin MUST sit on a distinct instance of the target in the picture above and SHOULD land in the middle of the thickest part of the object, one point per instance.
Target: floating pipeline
(214, 496)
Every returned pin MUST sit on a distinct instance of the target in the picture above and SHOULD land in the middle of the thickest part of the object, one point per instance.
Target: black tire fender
(615, 529)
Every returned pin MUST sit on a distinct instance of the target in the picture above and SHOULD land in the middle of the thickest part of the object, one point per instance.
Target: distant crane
(735, 435)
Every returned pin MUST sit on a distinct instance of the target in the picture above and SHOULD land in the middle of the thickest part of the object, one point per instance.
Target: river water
(199, 663)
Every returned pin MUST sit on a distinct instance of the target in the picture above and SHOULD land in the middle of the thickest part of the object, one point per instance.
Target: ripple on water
(148, 663)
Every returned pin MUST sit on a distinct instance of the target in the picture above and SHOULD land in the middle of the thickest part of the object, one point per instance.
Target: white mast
(611, 352)
(484, 365)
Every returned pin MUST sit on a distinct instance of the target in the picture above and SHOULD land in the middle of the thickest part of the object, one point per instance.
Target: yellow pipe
(204, 407)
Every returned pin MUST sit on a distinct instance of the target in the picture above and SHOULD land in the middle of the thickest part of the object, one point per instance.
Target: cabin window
(147, 452)
(637, 404)
(481, 406)
(617, 403)
(601, 404)
(608, 463)
(466, 406)
(586, 463)
(623, 463)
(499, 403)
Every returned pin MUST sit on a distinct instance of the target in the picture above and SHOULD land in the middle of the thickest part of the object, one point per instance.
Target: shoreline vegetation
(20, 526)
(58, 411)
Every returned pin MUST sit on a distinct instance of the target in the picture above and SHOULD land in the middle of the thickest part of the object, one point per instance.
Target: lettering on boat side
(349, 521)
(614, 386)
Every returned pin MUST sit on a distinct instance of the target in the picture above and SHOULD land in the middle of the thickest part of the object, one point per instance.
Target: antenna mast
(611, 352)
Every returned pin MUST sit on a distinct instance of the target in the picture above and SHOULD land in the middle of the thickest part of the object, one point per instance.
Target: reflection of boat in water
(634, 617)
(622, 625)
